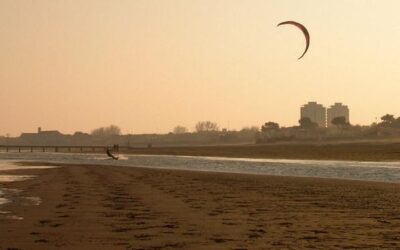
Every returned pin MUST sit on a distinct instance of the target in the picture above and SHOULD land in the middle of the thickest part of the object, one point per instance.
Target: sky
(148, 65)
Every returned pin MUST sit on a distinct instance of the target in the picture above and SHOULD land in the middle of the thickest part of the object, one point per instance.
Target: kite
(303, 29)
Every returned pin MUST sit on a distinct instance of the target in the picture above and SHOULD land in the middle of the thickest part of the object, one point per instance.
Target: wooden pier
(60, 149)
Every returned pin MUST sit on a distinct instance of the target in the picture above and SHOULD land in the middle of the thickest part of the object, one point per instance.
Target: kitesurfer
(111, 155)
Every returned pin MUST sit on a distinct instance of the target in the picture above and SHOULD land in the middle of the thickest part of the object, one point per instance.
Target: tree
(396, 123)
(253, 129)
(305, 122)
(268, 126)
(180, 130)
(206, 126)
(106, 131)
(388, 119)
(340, 122)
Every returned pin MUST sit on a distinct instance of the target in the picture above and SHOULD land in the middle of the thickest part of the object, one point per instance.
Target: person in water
(111, 155)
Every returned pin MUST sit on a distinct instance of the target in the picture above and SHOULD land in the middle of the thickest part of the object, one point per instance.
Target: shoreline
(45, 165)
(366, 151)
(308, 169)
(376, 171)
(105, 207)
(338, 151)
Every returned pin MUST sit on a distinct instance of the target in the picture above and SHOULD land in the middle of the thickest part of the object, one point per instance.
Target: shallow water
(11, 178)
(371, 171)
(8, 195)
(2, 199)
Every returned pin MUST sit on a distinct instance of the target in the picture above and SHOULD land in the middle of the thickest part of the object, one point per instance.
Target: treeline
(210, 133)
(389, 121)
(388, 127)
(205, 133)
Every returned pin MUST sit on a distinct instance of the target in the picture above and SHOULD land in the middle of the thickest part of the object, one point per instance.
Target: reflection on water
(9, 165)
(11, 178)
(8, 195)
(14, 196)
(32, 201)
(9, 216)
(2, 199)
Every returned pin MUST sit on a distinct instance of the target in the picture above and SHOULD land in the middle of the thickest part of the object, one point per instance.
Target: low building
(49, 137)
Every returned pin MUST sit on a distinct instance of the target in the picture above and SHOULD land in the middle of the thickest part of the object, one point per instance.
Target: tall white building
(316, 112)
(337, 110)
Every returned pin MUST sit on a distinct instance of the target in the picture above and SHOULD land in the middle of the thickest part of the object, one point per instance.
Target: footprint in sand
(121, 229)
(41, 241)
(43, 222)
(56, 225)
(61, 205)
(143, 236)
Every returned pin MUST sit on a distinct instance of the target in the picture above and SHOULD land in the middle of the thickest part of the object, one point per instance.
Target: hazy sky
(150, 65)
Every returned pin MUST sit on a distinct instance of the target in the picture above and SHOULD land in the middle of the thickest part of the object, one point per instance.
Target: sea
(352, 170)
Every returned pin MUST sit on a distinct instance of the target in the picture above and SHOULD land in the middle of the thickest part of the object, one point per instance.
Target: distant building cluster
(51, 136)
(323, 116)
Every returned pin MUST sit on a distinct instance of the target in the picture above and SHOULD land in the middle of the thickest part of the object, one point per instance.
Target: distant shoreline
(368, 150)
(374, 151)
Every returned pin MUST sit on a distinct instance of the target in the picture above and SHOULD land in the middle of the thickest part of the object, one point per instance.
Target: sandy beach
(98, 207)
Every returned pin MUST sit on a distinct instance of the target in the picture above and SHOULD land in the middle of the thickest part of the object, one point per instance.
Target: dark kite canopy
(304, 30)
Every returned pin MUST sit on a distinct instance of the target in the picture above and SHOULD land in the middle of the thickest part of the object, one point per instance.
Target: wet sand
(98, 207)
(355, 151)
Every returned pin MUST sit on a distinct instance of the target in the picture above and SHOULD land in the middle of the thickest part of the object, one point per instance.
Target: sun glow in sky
(149, 65)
